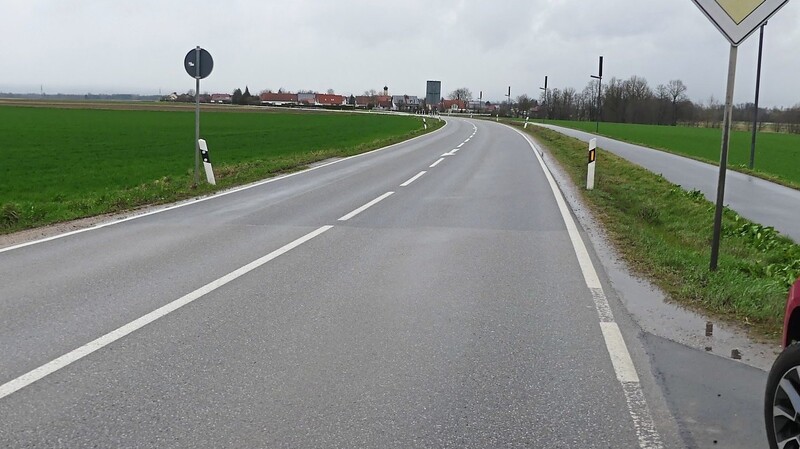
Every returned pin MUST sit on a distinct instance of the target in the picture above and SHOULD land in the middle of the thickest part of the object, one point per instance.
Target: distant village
(376, 101)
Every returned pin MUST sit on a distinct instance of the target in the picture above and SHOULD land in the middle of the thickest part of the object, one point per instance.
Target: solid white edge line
(620, 357)
(625, 371)
(413, 178)
(448, 154)
(214, 195)
(366, 206)
(436, 163)
(94, 345)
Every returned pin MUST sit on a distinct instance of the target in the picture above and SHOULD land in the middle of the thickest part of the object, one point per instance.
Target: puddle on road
(648, 306)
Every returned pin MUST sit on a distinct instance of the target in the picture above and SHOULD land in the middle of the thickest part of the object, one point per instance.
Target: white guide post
(206, 161)
(592, 162)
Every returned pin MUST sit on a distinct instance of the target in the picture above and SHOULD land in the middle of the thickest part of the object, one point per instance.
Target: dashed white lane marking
(643, 424)
(461, 144)
(413, 178)
(448, 154)
(77, 354)
(366, 206)
(211, 197)
(437, 162)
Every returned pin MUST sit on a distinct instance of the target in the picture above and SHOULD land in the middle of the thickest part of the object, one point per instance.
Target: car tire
(786, 366)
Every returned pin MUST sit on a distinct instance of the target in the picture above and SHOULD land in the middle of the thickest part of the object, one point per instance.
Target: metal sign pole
(723, 159)
(197, 115)
(599, 79)
(758, 88)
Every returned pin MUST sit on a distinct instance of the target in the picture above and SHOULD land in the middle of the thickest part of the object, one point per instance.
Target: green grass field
(777, 155)
(60, 164)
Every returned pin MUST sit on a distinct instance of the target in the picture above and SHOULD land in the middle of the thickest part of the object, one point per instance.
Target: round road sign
(191, 65)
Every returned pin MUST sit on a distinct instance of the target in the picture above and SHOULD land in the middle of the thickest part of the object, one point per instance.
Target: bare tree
(462, 93)
(331, 92)
(677, 91)
(663, 99)
(524, 103)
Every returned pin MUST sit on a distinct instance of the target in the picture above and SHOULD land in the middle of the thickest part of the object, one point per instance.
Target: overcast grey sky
(104, 46)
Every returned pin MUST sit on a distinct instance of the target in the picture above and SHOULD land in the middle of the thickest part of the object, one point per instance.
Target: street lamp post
(545, 94)
(599, 78)
(509, 100)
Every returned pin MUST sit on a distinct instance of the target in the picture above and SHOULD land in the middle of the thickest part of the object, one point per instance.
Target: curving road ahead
(436, 293)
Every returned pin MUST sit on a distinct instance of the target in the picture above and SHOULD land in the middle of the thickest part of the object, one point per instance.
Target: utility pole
(599, 78)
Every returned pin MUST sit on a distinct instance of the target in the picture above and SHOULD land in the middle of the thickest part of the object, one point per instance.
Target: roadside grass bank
(664, 234)
(64, 164)
(777, 155)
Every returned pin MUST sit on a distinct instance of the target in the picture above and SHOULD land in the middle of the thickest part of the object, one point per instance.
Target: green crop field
(777, 155)
(60, 164)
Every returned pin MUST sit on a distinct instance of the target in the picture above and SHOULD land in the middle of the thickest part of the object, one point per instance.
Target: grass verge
(777, 155)
(63, 164)
(664, 233)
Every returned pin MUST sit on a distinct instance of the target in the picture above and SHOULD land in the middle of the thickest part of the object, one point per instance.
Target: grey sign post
(736, 20)
(198, 64)
(599, 78)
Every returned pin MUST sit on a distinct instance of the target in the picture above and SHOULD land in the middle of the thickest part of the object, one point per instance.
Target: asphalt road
(758, 200)
(321, 310)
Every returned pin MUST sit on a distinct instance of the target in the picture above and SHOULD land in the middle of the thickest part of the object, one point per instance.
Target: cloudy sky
(105, 46)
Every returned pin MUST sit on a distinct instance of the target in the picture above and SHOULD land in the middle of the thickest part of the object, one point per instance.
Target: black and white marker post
(198, 64)
(736, 21)
(592, 161)
(206, 161)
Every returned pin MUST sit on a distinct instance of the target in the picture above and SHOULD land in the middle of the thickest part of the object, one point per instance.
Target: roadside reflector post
(591, 164)
(425, 123)
(526, 123)
(201, 143)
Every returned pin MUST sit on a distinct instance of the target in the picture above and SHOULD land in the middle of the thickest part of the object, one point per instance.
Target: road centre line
(99, 343)
(366, 206)
(436, 163)
(461, 144)
(413, 178)
(643, 424)
(212, 196)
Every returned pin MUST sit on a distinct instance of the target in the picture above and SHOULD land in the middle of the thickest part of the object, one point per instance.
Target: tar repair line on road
(618, 352)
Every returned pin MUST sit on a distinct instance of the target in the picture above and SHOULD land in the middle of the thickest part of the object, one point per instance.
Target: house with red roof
(330, 100)
(278, 99)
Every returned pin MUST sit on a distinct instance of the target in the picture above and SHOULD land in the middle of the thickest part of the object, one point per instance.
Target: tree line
(633, 100)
